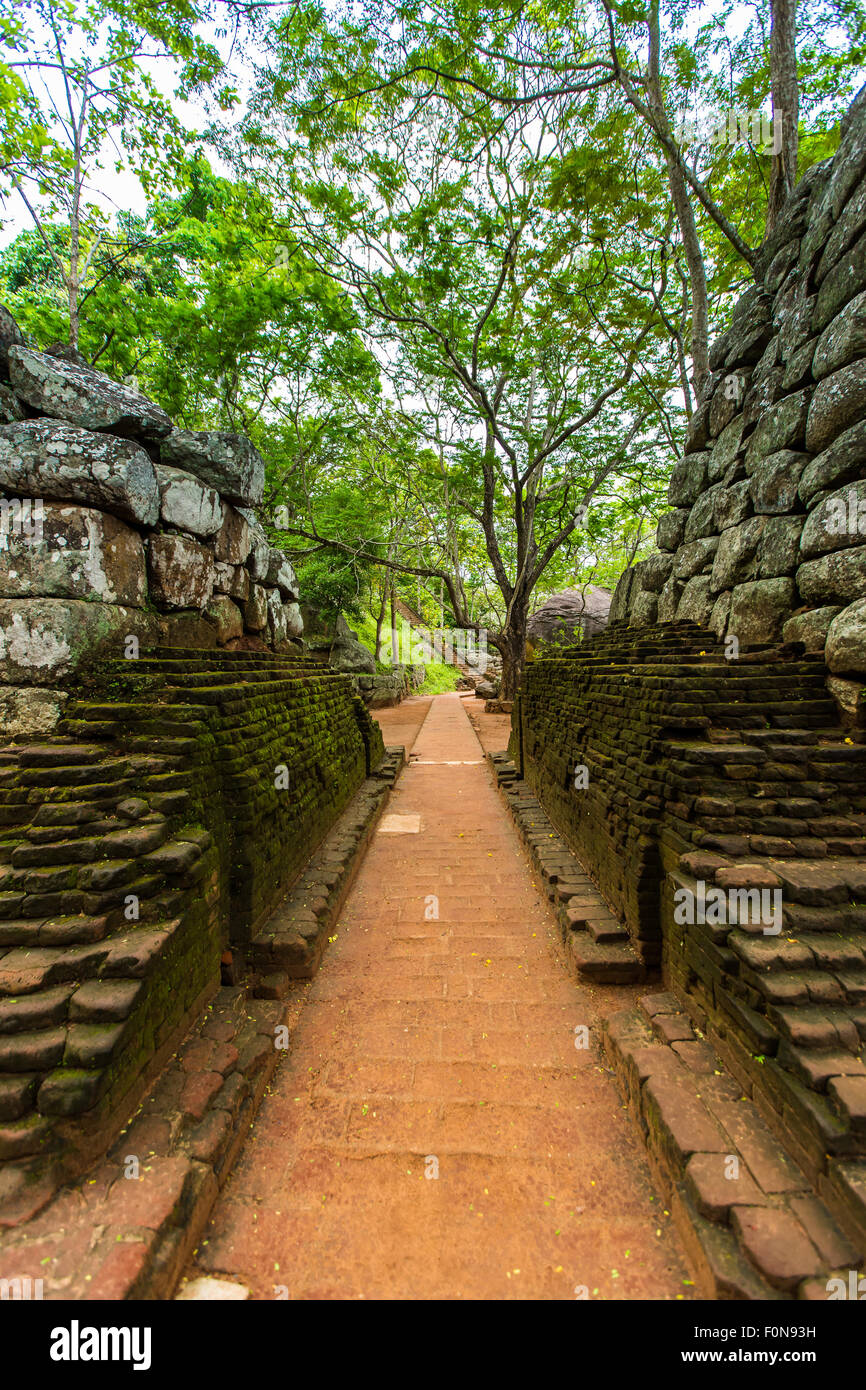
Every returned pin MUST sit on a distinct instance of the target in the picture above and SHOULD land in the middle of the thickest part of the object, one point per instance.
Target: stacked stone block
(115, 524)
(767, 536)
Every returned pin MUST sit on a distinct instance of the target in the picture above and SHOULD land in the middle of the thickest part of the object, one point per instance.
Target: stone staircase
(122, 884)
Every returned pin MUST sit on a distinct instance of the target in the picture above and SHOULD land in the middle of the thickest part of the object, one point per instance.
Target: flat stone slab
(212, 1290)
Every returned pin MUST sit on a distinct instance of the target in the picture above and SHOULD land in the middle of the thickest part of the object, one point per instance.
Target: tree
(527, 360)
(78, 92)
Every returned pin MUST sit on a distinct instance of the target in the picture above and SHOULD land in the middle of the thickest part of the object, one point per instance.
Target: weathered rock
(779, 546)
(570, 612)
(751, 327)
(645, 608)
(42, 640)
(671, 529)
(837, 521)
(718, 619)
(839, 401)
(256, 609)
(281, 575)
(733, 505)
(695, 601)
(11, 409)
(846, 279)
(846, 641)
(691, 559)
(348, 654)
(48, 459)
(759, 609)
(259, 558)
(725, 449)
(29, 710)
(840, 462)
(627, 586)
(656, 571)
(294, 620)
(737, 555)
(181, 572)
(81, 551)
(697, 432)
(233, 539)
(843, 340)
(810, 628)
(233, 580)
(668, 600)
(773, 485)
(188, 504)
(226, 617)
(701, 520)
(10, 336)
(688, 480)
(782, 427)
(228, 462)
(837, 577)
(84, 397)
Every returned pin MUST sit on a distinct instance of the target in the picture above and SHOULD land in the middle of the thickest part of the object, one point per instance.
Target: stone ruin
(710, 747)
(170, 757)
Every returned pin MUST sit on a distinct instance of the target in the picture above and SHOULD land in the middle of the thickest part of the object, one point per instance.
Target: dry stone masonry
(170, 758)
(714, 788)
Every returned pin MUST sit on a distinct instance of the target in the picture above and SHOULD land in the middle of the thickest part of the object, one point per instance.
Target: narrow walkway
(444, 1045)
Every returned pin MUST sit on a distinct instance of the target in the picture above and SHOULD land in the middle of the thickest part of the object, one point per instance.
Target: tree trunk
(380, 618)
(395, 646)
(786, 105)
(513, 652)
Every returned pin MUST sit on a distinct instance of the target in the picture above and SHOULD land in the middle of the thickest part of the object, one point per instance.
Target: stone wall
(715, 790)
(114, 524)
(767, 536)
(158, 797)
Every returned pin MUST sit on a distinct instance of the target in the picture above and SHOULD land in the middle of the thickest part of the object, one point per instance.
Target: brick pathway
(444, 1044)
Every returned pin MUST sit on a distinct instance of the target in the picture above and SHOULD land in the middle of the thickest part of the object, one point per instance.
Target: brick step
(752, 1223)
(611, 963)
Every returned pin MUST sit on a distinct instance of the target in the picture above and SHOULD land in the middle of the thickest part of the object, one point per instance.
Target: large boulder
(79, 551)
(839, 402)
(11, 409)
(281, 575)
(565, 616)
(30, 709)
(759, 610)
(181, 572)
(229, 462)
(348, 654)
(234, 538)
(187, 503)
(843, 340)
(52, 460)
(841, 462)
(225, 617)
(10, 336)
(846, 640)
(84, 397)
(837, 577)
(43, 640)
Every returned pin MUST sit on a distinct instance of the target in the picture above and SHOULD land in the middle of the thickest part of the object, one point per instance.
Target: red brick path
(444, 1044)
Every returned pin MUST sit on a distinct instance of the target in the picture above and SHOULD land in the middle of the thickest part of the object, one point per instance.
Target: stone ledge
(593, 936)
(751, 1224)
(291, 944)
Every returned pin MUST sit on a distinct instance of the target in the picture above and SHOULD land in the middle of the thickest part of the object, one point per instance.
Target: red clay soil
(444, 1045)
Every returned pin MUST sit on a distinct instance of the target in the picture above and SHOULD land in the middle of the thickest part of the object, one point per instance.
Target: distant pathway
(444, 1044)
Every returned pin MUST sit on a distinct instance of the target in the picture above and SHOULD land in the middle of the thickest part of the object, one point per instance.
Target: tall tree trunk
(786, 105)
(395, 646)
(513, 651)
(380, 618)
